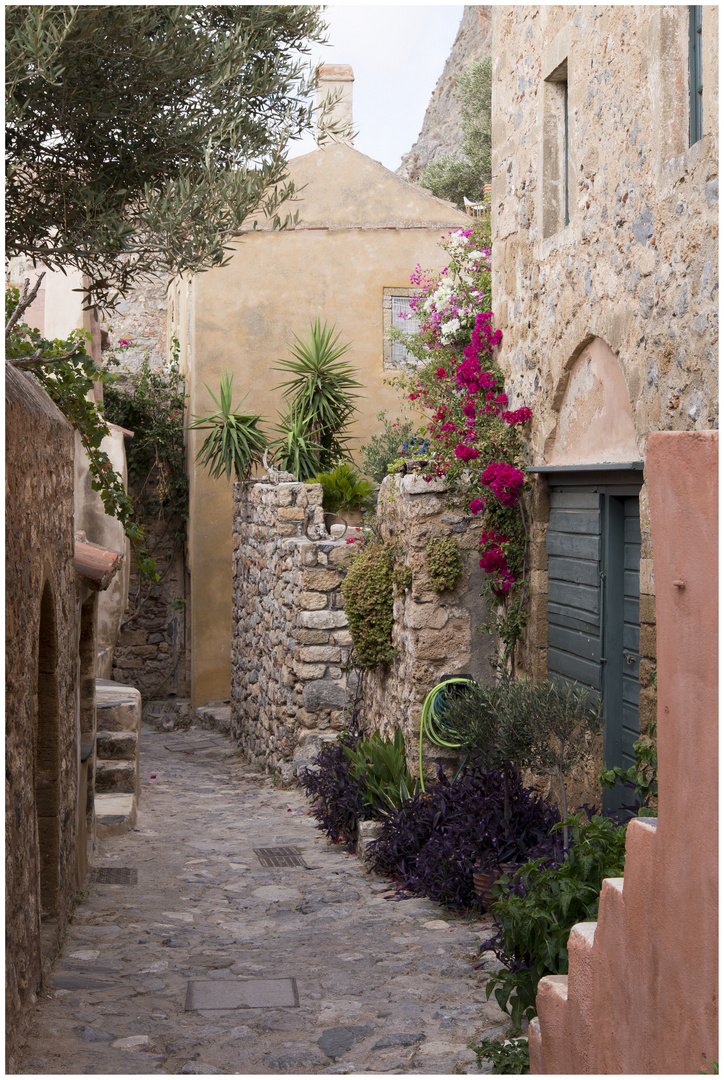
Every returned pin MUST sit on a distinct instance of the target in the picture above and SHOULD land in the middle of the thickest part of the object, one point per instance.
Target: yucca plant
(320, 394)
(234, 440)
(294, 450)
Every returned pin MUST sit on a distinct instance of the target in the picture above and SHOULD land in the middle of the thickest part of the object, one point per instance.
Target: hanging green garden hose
(433, 724)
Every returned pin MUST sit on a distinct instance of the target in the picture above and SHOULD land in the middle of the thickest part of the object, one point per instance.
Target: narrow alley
(201, 959)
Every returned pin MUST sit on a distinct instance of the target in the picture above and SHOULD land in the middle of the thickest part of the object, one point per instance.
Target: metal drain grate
(113, 875)
(279, 856)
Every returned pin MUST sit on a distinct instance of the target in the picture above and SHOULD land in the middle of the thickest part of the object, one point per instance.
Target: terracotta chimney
(335, 81)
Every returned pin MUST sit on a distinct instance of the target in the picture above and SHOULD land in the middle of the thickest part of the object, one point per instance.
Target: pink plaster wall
(641, 993)
(595, 422)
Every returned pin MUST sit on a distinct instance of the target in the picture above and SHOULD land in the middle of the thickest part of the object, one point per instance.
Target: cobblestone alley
(203, 960)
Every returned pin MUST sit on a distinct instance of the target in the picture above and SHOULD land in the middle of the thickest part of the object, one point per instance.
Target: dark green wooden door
(594, 545)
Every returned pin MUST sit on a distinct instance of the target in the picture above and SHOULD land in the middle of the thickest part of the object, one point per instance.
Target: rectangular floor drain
(279, 856)
(113, 875)
(241, 994)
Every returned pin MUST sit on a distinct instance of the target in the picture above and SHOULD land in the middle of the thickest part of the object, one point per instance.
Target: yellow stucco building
(361, 232)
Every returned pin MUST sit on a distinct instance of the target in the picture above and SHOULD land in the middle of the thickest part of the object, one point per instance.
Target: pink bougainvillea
(504, 480)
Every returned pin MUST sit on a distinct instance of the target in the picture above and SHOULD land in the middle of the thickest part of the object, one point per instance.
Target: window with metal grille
(397, 316)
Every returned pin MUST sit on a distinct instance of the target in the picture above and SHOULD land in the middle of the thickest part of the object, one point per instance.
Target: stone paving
(382, 986)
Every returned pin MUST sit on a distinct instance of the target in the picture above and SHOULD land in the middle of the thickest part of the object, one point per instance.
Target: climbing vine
(474, 437)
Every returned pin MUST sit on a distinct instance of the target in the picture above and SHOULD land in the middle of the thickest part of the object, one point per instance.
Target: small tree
(140, 137)
(546, 727)
(234, 441)
(456, 178)
(320, 397)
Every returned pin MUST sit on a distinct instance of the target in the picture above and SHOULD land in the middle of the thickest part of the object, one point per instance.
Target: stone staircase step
(118, 707)
(216, 716)
(116, 777)
(115, 814)
(116, 745)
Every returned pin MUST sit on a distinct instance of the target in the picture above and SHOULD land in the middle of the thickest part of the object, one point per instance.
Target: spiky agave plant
(234, 440)
(320, 394)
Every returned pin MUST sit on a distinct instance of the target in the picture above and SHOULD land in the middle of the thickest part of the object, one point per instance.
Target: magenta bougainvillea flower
(477, 506)
(466, 453)
(504, 480)
(519, 416)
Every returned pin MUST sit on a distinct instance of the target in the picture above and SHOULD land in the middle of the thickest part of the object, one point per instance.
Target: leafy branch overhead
(141, 137)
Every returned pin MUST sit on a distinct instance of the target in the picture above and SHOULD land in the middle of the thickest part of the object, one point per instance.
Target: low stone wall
(290, 641)
(435, 634)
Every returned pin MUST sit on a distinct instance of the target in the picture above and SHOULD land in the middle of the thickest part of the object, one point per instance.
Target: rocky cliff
(441, 134)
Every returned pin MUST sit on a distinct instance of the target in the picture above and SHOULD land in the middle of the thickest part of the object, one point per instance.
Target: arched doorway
(47, 757)
(593, 544)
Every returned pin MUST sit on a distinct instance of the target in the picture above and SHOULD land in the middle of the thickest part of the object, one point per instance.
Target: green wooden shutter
(574, 587)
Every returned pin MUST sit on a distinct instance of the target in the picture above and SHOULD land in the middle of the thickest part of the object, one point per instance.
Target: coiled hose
(433, 725)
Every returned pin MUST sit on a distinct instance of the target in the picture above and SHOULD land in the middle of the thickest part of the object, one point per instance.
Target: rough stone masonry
(290, 641)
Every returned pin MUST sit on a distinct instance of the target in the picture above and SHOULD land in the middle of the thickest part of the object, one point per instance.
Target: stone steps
(117, 777)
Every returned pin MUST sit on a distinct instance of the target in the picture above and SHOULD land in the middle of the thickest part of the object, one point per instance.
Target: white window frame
(390, 361)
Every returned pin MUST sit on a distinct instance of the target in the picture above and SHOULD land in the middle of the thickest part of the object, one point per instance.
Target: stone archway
(47, 756)
(595, 421)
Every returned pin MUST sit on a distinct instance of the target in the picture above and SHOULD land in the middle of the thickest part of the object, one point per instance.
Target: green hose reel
(433, 724)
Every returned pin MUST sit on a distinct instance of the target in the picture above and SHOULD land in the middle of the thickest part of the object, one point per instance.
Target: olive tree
(140, 137)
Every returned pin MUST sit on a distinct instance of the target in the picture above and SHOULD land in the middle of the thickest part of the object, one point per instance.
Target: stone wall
(140, 318)
(290, 640)
(152, 651)
(435, 634)
(635, 268)
(41, 642)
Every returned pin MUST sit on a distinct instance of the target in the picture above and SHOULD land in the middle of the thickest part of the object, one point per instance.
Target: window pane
(404, 320)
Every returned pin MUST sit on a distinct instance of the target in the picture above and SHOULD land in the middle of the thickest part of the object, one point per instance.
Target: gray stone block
(324, 694)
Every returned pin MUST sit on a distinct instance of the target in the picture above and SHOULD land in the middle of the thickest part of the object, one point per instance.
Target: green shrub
(385, 446)
(320, 396)
(538, 907)
(234, 440)
(368, 591)
(344, 488)
(381, 766)
(509, 1058)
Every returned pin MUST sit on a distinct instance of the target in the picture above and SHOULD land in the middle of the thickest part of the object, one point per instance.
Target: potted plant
(345, 494)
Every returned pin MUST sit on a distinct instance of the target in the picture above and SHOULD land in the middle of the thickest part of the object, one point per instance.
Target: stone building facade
(605, 242)
(52, 582)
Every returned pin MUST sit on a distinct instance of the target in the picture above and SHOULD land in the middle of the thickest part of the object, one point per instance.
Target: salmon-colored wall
(641, 993)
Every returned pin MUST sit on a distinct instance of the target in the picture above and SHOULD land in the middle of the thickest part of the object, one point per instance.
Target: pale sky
(397, 53)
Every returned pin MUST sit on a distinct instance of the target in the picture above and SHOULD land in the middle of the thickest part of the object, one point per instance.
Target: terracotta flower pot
(484, 879)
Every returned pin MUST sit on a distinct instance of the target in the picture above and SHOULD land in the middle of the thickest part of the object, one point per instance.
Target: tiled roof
(95, 563)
